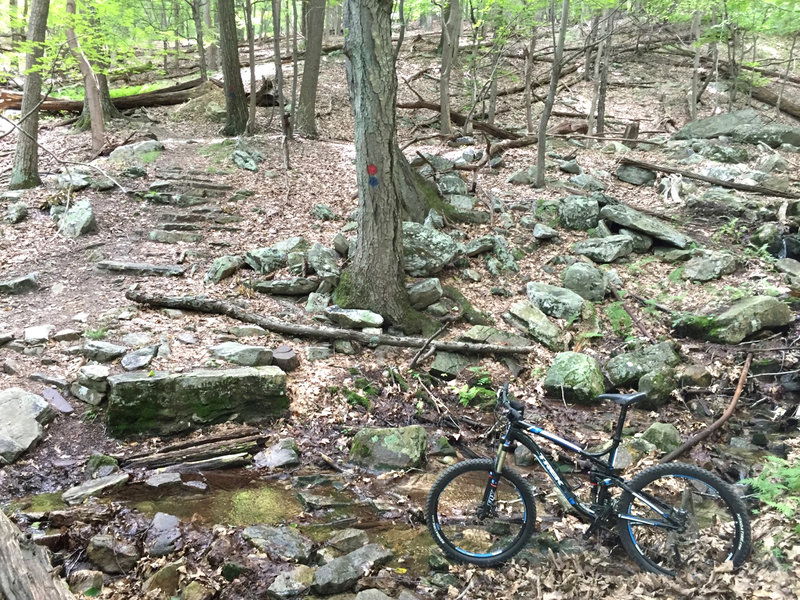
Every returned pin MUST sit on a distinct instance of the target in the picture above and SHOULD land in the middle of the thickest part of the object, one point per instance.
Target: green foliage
(778, 486)
(730, 232)
(636, 268)
(96, 334)
(621, 321)
(477, 391)
(149, 157)
(675, 275)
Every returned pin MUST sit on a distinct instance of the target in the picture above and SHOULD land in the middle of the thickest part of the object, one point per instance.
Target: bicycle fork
(487, 506)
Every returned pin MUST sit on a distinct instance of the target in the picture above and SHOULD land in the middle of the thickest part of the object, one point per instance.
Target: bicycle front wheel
(678, 517)
(468, 528)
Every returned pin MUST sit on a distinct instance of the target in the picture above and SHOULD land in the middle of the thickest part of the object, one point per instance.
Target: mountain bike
(669, 517)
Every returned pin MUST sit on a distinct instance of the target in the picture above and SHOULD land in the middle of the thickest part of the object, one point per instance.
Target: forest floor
(76, 295)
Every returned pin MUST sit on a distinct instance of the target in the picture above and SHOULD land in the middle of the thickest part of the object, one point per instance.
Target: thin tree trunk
(251, 50)
(694, 93)
(448, 55)
(551, 95)
(213, 51)
(176, 18)
(306, 110)
(276, 40)
(587, 58)
(25, 172)
(91, 85)
(164, 42)
(235, 104)
(528, 94)
(786, 72)
(607, 58)
(197, 17)
(295, 69)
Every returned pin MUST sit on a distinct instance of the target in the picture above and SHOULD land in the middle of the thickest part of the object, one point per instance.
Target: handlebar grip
(516, 405)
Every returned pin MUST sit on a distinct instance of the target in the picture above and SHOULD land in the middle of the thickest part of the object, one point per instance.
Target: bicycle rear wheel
(466, 528)
(682, 517)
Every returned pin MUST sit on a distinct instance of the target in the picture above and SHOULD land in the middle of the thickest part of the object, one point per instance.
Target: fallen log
(757, 189)
(201, 450)
(25, 570)
(767, 96)
(461, 120)
(221, 307)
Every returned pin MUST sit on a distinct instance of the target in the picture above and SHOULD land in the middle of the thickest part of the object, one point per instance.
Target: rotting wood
(220, 307)
(25, 570)
(223, 437)
(201, 451)
(758, 189)
(701, 435)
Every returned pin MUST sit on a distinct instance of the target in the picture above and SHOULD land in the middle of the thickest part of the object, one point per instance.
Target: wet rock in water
(20, 285)
(292, 584)
(348, 540)
(22, 415)
(353, 318)
(164, 403)
(162, 480)
(575, 377)
(103, 351)
(427, 251)
(605, 250)
(664, 436)
(166, 579)
(94, 487)
(557, 302)
(626, 216)
(709, 265)
(388, 448)
(163, 536)
(283, 454)
(342, 573)
(626, 369)
(586, 281)
(112, 555)
(281, 543)
(529, 319)
(241, 354)
(78, 220)
(424, 293)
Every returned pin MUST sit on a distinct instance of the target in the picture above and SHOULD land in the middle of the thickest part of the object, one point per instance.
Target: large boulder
(586, 281)
(388, 448)
(709, 265)
(342, 573)
(22, 415)
(136, 153)
(626, 369)
(579, 212)
(168, 403)
(532, 321)
(772, 135)
(79, 219)
(575, 377)
(744, 318)
(626, 216)
(427, 251)
(717, 125)
(557, 302)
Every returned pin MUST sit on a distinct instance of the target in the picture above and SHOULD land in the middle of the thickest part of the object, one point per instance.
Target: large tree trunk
(314, 20)
(375, 279)
(235, 101)
(551, 95)
(197, 16)
(25, 571)
(25, 173)
(91, 85)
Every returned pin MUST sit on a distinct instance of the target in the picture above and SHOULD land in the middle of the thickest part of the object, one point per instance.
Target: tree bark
(694, 93)
(25, 571)
(221, 307)
(235, 102)
(197, 17)
(608, 53)
(551, 95)
(451, 27)
(91, 85)
(306, 122)
(25, 172)
(375, 279)
(276, 42)
(213, 51)
(251, 51)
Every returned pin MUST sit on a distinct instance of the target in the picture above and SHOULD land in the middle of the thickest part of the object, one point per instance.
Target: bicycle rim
(709, 532)
(464, 529)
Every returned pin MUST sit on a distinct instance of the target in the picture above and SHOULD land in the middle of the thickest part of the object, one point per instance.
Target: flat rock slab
(241, 354)
(130, 268)
(633, 219)
(20, 285)
(341, 574)
(165, 403)
(94, 487)
(283, 543)
(22, 415)
(353, 318)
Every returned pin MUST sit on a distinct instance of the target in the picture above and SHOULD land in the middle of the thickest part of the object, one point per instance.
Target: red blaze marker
(372, 169)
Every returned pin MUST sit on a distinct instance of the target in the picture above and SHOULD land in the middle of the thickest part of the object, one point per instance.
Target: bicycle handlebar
(515, 409)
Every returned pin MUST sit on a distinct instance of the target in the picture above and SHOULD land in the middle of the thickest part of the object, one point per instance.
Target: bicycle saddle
(624, 399)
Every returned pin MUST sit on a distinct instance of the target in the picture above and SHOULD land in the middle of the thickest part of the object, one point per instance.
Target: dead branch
(758, 189)
(220, 307)
(701, 435)
(461, 120)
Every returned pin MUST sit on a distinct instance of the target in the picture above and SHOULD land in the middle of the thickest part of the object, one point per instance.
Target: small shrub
(96, 334)
(621, 321)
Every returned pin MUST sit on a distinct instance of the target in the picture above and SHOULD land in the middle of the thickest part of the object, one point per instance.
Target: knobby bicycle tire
(716, 524)
(452, 513)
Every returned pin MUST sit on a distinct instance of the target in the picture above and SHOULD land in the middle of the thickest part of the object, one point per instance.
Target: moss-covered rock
(169, 403)
(390, 447)
(658, 385)
(744, 318)
(576, 376)
(625, 369)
